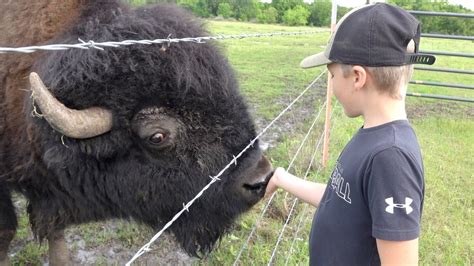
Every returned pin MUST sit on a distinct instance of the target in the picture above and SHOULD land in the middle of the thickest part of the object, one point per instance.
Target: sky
(353, 3)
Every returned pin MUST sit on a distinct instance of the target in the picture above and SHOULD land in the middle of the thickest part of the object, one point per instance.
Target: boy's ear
(359, 77)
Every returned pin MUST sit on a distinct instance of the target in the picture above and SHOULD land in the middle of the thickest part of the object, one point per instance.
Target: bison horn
(79, 124)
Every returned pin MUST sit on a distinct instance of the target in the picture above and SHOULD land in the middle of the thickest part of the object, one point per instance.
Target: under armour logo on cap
(391, 206)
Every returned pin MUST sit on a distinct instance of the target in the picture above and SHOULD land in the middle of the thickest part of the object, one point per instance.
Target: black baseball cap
(373, 35)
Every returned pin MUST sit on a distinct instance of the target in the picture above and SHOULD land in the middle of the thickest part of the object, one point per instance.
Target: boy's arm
(395, 191)
(398, 252)
(306, 191)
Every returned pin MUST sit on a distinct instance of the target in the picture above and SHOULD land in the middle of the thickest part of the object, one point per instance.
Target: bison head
(135, 132)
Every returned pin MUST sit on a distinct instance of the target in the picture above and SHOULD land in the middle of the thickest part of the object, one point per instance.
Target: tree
(320, 13)
(267, 14)
(436, 24)
(341, 11)
(224, 10)
(213, 6)
(198, 7)
(297, 16)
(284, 5)
(244, 9)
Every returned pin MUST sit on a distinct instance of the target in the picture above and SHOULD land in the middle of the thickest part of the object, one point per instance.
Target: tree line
(318, 13)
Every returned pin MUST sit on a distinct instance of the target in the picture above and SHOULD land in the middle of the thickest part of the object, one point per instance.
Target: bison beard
(177, 119)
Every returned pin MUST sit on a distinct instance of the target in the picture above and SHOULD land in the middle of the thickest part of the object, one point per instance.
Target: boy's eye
(332, 76)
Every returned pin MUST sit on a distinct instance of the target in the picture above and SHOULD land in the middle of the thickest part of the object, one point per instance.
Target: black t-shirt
(375, 192)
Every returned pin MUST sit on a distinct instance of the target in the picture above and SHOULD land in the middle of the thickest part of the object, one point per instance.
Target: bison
(129, 132)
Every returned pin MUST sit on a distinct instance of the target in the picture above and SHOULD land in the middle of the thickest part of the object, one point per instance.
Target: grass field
(268, 68)
(270, 78)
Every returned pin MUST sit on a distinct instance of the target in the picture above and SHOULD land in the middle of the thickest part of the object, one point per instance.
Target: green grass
(448, 226)
(269, 68)
(460, 46)
(269, 75)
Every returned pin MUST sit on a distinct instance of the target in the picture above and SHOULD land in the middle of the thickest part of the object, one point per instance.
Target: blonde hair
(389, 79)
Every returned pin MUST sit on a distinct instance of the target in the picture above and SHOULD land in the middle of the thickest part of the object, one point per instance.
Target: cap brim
(315, 60)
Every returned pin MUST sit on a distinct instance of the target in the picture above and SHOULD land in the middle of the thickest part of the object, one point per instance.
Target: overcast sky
(353, 3)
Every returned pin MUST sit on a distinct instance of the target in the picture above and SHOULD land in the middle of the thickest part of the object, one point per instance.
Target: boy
(369, 212)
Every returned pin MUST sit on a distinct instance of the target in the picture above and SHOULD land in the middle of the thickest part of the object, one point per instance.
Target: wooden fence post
(327, 123)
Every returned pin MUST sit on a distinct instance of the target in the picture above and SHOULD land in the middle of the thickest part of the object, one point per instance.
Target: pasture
(269, 76)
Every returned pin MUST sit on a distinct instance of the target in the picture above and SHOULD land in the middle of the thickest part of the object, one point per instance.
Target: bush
(268, 15)
(297, 16)
(436, 24)
(224, 10)
(320, 13)
(244, 9)
(198, 7)
(282, 6)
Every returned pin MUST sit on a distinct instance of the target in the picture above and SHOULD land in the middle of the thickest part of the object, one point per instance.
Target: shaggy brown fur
(22, 23)
(26, 23)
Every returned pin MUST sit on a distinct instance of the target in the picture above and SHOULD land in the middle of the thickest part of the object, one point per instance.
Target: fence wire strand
(113, 44)
(168, 41)
(302, 221)
(304, 217)
(274, 193)
(296, 200)
(146, 247)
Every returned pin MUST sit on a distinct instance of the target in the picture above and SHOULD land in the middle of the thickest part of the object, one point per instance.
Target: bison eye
(156, 138)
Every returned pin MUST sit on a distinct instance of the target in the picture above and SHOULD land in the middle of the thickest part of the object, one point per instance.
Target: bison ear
(78, 124)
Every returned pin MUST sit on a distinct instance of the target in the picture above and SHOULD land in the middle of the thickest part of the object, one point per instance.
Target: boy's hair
(389, 79)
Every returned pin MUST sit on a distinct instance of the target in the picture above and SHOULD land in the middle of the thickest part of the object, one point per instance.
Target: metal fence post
(444, 53)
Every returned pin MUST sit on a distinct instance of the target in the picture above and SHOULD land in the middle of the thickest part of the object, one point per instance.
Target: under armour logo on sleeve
(391, 206)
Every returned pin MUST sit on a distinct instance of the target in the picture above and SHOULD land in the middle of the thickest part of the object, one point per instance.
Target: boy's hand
(272, 185)
(310, 192)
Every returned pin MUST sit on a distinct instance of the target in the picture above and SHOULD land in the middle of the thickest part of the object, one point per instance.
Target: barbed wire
(296, 199)
(168, 41)
(274, 193)
(304, 217)
(302, 221)
(146, 247)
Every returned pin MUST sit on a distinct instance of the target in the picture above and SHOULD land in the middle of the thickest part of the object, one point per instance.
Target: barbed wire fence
(295, 200)
(262, 214)
(199, 40)
(146, 247)
(167, 41)
(303, 216)
(293, 207)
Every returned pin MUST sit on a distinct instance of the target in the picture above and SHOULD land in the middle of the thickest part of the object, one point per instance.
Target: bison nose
(257, 181)
(260, 185)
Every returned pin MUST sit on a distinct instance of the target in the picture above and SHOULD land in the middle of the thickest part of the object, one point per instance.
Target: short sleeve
(395, 191)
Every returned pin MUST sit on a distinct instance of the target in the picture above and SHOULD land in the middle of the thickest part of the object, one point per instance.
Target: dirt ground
(433, 107)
